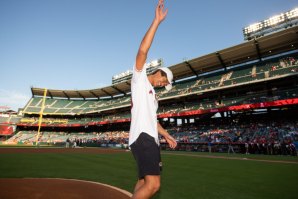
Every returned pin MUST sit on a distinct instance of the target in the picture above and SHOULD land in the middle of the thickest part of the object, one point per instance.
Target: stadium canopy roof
(262, 47)
(109, 91)
(257, 49)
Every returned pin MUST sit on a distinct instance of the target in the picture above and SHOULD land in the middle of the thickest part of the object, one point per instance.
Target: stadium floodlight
(124, 76)
(274, 20)
(272, 24)
(292, 13)
(254, 27)
(155, 62)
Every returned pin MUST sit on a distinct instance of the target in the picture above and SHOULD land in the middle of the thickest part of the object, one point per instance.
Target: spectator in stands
(230, 145)
(144, 127)
(292, 149)
(67, 143)
(74, 144)
(210, 145)
(246, 146)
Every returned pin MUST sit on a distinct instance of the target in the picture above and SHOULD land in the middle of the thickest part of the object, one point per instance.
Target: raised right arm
(160, 15)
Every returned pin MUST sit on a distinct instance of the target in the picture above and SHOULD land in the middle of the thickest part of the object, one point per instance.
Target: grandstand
(255, 79)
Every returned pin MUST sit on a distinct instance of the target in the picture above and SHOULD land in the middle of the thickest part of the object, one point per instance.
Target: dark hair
(163, 73)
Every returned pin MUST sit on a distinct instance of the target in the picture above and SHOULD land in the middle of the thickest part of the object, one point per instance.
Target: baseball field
(185, 175)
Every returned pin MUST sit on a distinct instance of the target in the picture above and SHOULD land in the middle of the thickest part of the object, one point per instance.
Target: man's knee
(153, 188)
(156, 187)
(153, 183)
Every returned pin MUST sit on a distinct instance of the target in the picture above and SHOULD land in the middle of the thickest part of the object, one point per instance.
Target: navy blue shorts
(147, 155)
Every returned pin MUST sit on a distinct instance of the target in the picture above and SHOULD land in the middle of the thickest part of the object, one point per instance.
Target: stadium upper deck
(251, 74)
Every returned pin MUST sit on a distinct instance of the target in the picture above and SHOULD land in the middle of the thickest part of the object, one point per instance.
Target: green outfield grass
(183, 177)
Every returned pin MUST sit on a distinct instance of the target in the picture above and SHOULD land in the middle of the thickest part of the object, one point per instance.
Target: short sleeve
(138, 75)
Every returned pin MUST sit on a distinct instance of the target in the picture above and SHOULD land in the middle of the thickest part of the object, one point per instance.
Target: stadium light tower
(124, 76)
(273, 24)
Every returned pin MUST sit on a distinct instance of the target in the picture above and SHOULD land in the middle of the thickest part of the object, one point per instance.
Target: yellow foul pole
(40, 115)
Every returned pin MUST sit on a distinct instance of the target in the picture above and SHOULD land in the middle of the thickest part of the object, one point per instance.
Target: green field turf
(183, 176)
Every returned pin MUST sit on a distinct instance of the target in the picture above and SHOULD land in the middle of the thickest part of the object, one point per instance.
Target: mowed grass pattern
(183, 177)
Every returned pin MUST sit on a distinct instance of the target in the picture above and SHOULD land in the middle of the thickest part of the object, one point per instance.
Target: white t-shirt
(143, 107)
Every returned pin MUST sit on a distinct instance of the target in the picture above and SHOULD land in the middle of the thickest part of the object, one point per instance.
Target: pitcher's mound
(52, 188)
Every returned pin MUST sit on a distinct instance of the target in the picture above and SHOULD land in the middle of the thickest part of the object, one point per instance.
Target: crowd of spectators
(257, 137)
(247, 136)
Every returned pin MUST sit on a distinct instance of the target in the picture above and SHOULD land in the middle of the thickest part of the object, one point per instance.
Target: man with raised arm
(144, 128)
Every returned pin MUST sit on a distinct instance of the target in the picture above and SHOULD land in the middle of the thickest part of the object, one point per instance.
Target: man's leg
(150, 186)
(140, 183)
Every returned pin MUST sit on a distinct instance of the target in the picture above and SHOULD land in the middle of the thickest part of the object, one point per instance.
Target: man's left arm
(170, 140)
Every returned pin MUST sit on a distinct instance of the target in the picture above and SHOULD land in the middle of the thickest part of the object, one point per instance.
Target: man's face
(160, 81)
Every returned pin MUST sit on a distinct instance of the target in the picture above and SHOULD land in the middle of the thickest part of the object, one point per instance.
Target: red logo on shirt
(150, 92)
